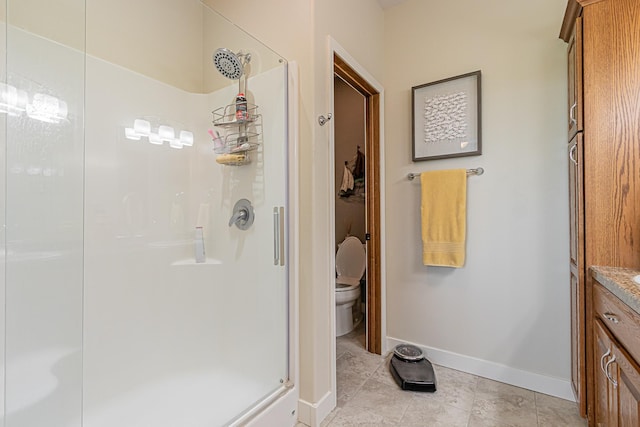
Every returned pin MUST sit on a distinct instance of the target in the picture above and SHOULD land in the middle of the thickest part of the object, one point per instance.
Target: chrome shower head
(229, 64)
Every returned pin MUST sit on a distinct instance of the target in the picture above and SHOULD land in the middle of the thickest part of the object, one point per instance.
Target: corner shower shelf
(241, 136)
(191, 261)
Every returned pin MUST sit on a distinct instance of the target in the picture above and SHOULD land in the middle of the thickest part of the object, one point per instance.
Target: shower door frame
(278, 407)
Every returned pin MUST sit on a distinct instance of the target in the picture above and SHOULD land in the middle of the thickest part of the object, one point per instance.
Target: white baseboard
(541, 383)
(312, 414)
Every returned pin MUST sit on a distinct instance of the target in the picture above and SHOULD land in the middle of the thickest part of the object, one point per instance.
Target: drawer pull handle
(606, 371)
(572, 154)
(611, 317)
(571, 115)
(604, 356)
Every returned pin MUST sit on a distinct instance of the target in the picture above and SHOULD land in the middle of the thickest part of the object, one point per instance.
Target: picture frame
(446, 118)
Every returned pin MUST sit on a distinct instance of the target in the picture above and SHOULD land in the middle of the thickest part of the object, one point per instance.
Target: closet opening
(363, 163)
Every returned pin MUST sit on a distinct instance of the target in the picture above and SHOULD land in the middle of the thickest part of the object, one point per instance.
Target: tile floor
(369, 397)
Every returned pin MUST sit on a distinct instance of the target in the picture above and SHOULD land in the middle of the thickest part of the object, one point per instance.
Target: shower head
(229, 64)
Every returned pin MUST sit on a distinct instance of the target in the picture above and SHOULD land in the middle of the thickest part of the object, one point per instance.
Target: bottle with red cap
(241, 107)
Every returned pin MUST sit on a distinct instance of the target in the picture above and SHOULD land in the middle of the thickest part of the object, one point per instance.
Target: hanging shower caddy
(239, 136)
(240, 122)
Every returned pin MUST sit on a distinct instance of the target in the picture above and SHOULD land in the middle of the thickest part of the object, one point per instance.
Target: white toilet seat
(351, 262)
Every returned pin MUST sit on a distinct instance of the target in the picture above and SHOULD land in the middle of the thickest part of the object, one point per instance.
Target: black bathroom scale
(411, 370)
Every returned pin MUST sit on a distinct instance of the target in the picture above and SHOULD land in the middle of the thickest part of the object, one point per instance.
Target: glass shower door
(44, 110)
(167, 340)
(110, 169)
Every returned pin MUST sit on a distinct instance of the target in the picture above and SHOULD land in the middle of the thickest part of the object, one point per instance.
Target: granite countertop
(620, 282)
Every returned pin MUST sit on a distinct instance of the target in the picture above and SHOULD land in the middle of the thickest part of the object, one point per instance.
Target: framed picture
(446, 118)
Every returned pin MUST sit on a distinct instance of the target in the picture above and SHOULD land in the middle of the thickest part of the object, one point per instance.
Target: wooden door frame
(346, 72)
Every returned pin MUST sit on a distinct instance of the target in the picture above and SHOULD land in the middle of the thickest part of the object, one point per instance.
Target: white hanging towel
(347, 180)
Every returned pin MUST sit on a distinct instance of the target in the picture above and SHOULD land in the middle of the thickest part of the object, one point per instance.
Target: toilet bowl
(351, 262)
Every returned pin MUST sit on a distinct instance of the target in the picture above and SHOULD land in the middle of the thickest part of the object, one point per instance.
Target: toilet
(351, 260)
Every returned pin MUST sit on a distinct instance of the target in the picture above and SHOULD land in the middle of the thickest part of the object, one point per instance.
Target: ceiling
(385, 4)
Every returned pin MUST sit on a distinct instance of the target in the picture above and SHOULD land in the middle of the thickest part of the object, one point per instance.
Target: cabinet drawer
(622, 321)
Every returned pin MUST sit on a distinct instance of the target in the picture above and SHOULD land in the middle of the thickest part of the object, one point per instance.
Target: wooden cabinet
(576, 267)
(604, 136)
(616, 385)
(625, 374)
(604, 391)
(574, 68)
(576, 214)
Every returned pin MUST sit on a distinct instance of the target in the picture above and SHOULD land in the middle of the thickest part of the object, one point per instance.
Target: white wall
(162, 40)
(61, 21)
(506, 313)
(357, 26)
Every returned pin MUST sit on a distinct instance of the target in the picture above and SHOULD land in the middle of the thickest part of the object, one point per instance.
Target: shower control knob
(243, 215)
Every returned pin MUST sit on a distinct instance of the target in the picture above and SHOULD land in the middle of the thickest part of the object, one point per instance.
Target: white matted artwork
(446, 118)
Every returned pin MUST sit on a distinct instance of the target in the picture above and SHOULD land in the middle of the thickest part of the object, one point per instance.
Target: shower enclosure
(129, 297)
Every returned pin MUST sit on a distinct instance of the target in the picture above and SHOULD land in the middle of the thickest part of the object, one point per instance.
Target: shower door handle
(278, 235)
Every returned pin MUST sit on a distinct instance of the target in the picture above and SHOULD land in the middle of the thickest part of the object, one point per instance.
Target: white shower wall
(167, 341)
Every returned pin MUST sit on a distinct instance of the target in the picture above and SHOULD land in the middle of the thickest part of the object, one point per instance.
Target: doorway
(371, 198)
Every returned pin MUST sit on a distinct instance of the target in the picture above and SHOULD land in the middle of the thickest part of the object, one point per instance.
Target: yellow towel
(444, 200)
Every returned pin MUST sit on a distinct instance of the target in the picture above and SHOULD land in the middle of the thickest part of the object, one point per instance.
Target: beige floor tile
(506, 404)
(479, 421)
(376, 402)
(352, 346)
(359, 417)
(501, 389)
(368, 396)
(383, 375)
(556, 412)
(362, 363)
(454, 388)
(425, 412)
(354, 365)
(347, 382)
(358, 334)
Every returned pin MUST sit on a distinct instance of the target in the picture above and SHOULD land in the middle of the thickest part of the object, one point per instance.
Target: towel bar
(476, 171)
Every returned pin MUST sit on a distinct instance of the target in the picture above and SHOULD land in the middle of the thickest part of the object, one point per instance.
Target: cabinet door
(576, 268)
(576, 200)
(627, 376)
(604, 393)
(574, 67)
(577, 341)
